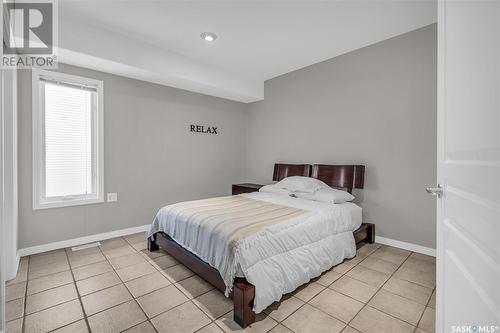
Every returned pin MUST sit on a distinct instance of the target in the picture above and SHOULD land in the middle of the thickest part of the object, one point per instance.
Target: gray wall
(375, 106)
(150, 157)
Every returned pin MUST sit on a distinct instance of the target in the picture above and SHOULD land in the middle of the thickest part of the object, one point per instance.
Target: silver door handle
(435, 191)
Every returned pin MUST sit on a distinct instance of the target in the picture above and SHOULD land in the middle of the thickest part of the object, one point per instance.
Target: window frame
(38, 140)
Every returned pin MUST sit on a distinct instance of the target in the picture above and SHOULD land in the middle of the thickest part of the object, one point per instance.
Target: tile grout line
(77, 292)
(23, 328)
(189, 300)
(74, 279)
(44, 276)
(268, 314)
(119, 277)
(210, 323)
(123, 283)
(98, 290)
(305, 303)
(214, 321)
(157, 268)
(73, 299)
(93, 276)
(345, 274)
(389, 279)
(13, 284)
(420, 318)
(116, 305)
(426, 306)
(53, 306)
(172, 283)
(364, 304)
(42, 291)
(322, 290)
(328, 287)
(380, 288)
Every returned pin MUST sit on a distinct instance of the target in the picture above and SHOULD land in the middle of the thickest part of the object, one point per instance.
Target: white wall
(374, 106)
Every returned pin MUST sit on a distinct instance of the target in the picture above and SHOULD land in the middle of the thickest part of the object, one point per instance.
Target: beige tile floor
(121, 287)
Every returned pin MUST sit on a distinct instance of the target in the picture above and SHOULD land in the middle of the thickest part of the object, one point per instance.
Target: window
(67, 140)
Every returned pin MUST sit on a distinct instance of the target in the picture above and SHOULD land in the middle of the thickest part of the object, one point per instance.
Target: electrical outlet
(112, 197)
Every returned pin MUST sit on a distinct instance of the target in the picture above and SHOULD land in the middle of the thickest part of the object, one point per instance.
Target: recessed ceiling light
(208, 36)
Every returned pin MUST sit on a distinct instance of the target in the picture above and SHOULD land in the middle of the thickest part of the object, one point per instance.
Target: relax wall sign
(203, 129)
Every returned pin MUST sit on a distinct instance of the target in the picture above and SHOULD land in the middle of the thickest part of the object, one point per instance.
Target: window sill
(66, 203)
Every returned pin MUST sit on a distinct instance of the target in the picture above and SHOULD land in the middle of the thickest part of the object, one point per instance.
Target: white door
(468, 244)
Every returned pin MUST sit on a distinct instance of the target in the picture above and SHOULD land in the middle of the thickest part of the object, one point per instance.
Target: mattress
(277, 258)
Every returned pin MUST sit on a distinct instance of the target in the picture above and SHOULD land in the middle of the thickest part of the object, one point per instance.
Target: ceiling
(257, 40)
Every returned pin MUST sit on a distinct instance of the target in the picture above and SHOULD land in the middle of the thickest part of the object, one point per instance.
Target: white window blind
(68, 140)
(68, 132)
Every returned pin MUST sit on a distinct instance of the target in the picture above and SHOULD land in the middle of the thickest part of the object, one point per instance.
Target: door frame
(10, 186)
(2, 266)
(2, 235)
(441, 111)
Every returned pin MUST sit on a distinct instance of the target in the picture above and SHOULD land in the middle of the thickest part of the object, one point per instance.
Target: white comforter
(284, 256)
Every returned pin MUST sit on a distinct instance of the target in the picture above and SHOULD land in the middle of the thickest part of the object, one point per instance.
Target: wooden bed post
(370, 238)
(243, 296)
(152, 246)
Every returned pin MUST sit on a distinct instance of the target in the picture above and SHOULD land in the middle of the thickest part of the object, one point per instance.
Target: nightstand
(245, 188)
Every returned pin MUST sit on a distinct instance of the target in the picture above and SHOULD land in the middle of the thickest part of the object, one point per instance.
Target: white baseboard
(81, 240)
(406, 246)
(124, 232)
(12, 271)
(18, 259)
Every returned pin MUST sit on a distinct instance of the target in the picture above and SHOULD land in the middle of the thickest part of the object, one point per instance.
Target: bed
(258, 246)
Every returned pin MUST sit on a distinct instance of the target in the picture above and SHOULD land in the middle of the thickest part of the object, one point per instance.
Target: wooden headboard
(343, 176)
(287, 170)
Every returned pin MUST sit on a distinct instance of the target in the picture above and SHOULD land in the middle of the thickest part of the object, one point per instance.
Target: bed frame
(243, 294)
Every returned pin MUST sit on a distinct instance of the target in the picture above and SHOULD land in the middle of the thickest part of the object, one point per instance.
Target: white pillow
(301, 184)
(273, 189)
(327, 195)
